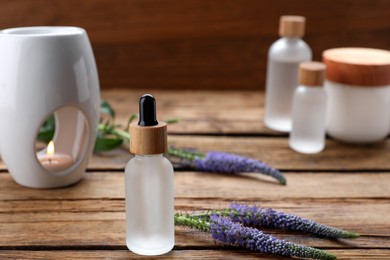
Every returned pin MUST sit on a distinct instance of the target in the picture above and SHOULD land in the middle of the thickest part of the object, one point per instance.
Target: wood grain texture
(219, 44)
(110, 233)
(107, 230)
(345, 186)
(99, 198)
(199, 112)
(273, 151)
(235, 113)
(350, 216)
(148, 139)
(358, 66)
(181, 254)
(97, 185)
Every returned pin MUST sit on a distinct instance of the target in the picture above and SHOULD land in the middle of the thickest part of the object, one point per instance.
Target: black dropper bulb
(147, 111)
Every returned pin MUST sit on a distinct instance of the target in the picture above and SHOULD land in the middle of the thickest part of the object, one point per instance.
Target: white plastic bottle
(309, 110)
(284, 57)
(149, 186)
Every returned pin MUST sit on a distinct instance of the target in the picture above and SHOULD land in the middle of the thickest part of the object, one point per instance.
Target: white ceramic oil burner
(46, 70)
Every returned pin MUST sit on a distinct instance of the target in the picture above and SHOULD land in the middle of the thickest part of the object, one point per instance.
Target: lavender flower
(259, 217)
(230, 233)
(227, 163)
(227, 232)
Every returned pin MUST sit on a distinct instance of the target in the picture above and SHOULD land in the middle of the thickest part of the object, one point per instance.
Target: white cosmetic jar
(358, 90)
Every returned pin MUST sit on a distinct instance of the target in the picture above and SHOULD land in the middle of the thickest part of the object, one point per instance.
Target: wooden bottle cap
(358, 66)
(292, 26)
(312, 73)
(146, 140)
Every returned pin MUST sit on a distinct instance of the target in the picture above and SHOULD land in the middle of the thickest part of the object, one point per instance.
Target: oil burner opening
(62, 140)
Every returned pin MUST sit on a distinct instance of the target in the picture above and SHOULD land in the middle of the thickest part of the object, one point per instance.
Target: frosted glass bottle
(284, 57)
(149, 186)
(149, 205)
(309, 110)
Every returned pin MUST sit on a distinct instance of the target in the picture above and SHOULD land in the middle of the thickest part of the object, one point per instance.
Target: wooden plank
(198, 44)
(350, 254)
(99, 197)
(202, 185)
(100, 185)
(240, 112)
(273, 151)
(354, 215)
(228, 112)
(198, 115)
(276, 152)
(108, 229)
(110, 23)
(199, 112)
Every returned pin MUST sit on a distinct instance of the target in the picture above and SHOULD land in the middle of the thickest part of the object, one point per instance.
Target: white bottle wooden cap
(312, 73)
(292, 26)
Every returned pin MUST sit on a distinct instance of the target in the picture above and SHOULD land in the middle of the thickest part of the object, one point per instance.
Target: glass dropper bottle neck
(144, 156)
(292, 39)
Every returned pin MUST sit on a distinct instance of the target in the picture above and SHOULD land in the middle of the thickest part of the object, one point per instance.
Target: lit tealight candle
(55, 162)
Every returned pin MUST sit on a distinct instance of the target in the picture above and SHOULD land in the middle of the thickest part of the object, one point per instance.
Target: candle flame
(50, 148)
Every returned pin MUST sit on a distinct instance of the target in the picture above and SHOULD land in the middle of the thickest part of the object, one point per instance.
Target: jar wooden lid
(146, 140)
(312, 73)
(358, 66)
(292, 26)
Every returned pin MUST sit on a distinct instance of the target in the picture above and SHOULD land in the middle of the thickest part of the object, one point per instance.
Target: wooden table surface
(345, 186)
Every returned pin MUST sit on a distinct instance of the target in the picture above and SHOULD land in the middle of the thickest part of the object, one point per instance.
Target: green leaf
(125, 135)
(106, 109)
(103, 144)
(46, 136)
(103, 129)
(46, 132)
(172, 121)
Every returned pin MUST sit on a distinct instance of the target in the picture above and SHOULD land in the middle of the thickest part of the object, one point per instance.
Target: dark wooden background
(195, 44)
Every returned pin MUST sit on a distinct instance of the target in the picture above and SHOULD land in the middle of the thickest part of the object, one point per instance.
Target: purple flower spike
(231, 163)
(259, 217)
(230, 233)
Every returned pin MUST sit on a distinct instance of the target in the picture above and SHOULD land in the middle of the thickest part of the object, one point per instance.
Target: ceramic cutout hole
(62, 139)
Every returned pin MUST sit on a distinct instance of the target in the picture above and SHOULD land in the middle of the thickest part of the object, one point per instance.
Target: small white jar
(358, 90)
